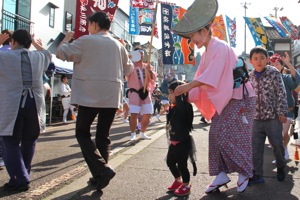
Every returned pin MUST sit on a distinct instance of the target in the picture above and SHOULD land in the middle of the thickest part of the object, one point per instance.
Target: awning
(62, 67)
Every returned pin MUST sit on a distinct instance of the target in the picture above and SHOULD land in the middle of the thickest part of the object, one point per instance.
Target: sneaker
(144, 136)
(183, 190)
(8, 187)
(274, 162)
(139, 126)
(176, 184)
(65, 122)
(280, 174)
(269, 146)
(107, 175)
(158, 117)
(133, 136)
(125, 121)
(256, 179)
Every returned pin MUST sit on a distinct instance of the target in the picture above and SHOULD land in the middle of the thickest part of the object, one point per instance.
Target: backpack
(240, 74)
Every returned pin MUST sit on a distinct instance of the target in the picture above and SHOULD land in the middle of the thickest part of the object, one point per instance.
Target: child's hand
(282, 119)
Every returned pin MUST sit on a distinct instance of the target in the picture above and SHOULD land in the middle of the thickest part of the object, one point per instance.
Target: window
(69, 20)
(51, 17)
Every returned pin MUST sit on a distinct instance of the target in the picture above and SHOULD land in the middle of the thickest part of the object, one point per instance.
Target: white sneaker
(139, 126)
(125, 121)
(287, 155)
(143, 136)
(133, 136)
(274, 162)
(65, 122)
(1, 162)
(158, 117)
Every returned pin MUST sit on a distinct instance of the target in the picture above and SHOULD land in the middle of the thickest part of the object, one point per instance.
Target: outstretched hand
(286, 59)
(3, 37)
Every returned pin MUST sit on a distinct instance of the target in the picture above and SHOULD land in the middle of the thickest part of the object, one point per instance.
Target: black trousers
(157, 106)
(177, 160)
(95, 155)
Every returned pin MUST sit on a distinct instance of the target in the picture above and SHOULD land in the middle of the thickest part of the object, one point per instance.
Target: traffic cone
(296, 153)
(73, 117)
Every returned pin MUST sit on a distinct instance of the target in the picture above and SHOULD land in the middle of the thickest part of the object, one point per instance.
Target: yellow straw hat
(198, 15)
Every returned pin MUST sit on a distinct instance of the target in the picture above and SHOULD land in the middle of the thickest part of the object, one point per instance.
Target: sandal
(246, 181)
(212, 188)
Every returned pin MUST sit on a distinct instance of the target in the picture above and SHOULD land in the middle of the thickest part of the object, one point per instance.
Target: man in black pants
(100, 64)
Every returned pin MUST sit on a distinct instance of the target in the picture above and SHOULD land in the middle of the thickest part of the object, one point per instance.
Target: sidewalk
(142, 173)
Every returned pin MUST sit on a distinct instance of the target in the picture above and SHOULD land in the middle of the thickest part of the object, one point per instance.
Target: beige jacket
(100, 62)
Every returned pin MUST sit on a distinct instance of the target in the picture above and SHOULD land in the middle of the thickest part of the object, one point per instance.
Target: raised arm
(38, 44)
(3, 37)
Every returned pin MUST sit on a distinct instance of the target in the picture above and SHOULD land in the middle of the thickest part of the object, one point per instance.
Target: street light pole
(276, 9)
(245, 6)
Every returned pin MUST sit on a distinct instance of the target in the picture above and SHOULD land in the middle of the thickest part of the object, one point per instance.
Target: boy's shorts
(144, 108)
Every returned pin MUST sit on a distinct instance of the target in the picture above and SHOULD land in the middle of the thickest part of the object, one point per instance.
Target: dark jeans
(177, 160)
(17, 158)
(95, 155)
(273, 130)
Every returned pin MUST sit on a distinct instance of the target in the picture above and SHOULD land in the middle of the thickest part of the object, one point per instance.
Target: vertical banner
(290, 27)
(176, 50)
(141, 17)
(231, 29)
(258, 32)
(218, 28)
(86, 8)
(278, 26)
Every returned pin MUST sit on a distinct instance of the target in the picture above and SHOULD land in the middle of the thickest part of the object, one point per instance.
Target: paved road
(145, 175)
(58, 159)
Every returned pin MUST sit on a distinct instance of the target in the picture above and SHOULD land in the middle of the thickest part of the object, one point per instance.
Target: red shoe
(183, 190)
(176, 184)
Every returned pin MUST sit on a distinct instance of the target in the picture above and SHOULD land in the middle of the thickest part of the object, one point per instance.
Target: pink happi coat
(134, 82)
(216, 69)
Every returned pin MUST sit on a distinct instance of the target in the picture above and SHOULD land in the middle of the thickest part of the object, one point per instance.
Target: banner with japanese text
(176, 50)
(218, 28)
(86, 8)
(278, 26)
(258, 32)
(231, 29)
(290, 27)
(141, 17)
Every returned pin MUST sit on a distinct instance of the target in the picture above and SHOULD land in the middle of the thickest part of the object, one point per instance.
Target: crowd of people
(241, 117)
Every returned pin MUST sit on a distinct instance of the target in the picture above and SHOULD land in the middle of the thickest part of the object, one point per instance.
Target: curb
(80, 184)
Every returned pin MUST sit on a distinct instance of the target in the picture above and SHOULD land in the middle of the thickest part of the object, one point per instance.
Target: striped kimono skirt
(230, 139)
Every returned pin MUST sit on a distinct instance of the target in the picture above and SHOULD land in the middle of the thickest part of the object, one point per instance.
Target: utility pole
(245, 6)
(276, 9)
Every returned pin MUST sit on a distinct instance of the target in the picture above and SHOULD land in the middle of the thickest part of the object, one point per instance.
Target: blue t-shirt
(259, 74)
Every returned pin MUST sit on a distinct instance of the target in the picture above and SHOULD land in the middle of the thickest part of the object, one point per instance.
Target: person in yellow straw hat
(212, 90)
